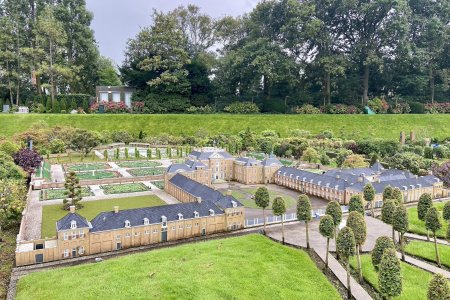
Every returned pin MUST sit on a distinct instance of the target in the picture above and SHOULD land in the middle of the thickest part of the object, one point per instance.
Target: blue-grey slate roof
(204, 192)
(65, 222)
(110, 220)
(248, 161)
(402, 184)
(271, 161)
(175, 168)
(204, 155)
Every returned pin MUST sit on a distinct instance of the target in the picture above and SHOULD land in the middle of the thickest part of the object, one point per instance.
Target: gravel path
(33, 218)
(58, 173)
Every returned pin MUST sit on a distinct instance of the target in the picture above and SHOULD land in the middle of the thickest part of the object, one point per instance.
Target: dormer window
(73, 224)
(163, 221)
(211, 212)
(234, 203)
(127, 224)
(146, 221)
(196, 215)
(180, 217)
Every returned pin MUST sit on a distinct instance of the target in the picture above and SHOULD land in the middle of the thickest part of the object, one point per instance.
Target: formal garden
(86, 167)
(146, 171)
(139, 164)
(124, 188)
(53, 194)
(95, 175)
(52, 213)
(159, 184)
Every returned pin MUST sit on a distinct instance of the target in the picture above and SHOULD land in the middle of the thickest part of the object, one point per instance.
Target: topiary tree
(382, 243)
(262, 199)
(105, 154)
(334, 210)
(304, 213)
(387, 214)
(326, 229)
(73, 192)
(448, 232)
(446, 211)
(438, 289)
(279, 209)
(356, 222)
(149, 153)
(346, 244)
(433, 224)
(369, 196)
(126, 152)
(425, 203)
(356, 204)
(388, 193)
(397, 195)
(389, 276)
(400, 223)
(117, 153)
(137, 154)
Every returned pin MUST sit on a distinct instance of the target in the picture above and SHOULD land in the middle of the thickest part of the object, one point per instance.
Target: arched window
(127, 224)
(73, 224)
(146, 221)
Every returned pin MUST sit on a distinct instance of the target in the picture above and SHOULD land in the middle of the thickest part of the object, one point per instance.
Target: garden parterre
(124, 188)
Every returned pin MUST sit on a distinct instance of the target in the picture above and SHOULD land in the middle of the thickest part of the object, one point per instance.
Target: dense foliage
(439, 288)
(356, 204)
(389, 276)
(382, 243)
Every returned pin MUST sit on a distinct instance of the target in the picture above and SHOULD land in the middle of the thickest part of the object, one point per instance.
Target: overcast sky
(115, 21)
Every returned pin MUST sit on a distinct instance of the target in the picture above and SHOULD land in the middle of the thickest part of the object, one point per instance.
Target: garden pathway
(98, 192)
(424, 238)
(33, 218)
(425, 266)
(57, 173)
(161, 194)
(99, 155)
(122, 171)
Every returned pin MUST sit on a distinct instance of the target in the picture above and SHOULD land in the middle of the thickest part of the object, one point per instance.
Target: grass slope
(52, 213)
(415, 280)
(220, 269)
(426, 250)
(418, 227)
(352, 126)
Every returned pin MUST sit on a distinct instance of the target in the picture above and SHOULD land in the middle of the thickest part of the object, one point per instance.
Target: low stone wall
(55, 185)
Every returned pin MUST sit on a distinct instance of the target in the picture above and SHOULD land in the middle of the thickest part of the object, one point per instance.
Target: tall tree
(356, 222)
(326, 229)
(279, 209)
(424, 204)
(73, 192)
(433, 224)
(334, 210)
(389, 276)
(369, 196)
(304, 213)
(400, 223)
(346, 244)
(262, 199)
(107, 72)
(388, 213)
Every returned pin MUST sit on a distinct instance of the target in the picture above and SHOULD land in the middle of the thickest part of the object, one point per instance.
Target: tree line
(285, 53)
(47, 47)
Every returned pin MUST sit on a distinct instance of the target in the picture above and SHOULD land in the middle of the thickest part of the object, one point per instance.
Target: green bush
(242, 108)
(389, 277)
(382, 243)
(417, 108)
(307, 109)
(438, 288)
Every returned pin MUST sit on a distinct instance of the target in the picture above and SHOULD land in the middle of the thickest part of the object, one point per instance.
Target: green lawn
(45, 171)
(244, 194)
(418, 227)
(124, 188)
(426, 250)
(139, 164)
(415, 280)
(350, 126)
(60, 194)
(74, 158)
(97, 175)
(87, 167)
(218, 269)
(146, 171)
(52, 213)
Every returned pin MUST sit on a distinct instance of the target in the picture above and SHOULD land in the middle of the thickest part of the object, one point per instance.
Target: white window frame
(66, 252)
(81, 233)
(196, 214)
(66, 236)
(81, 250)
(146, 221)
(74, 235)
(147, 232)
(73, 224)
(127, 224)
(128, 235)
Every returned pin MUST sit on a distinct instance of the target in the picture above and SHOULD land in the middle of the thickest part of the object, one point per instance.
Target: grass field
(426, 250)
(418, 227)
(52, 213)
(124, 188)
(351, 126)
(243, 196)
(219, 269)
(86, 167)
(138, 164)
(415, 280)
(146, 171)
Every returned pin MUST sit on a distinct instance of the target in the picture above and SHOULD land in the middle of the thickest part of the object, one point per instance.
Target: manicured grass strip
(124, 188)
(146, 171)
(91, 175)
(418, 227)
(139, 164)
(219, 269)
(289, 201)
(45, 171)
(426, 250)
(60, 194)
(52, 213)
(349, 126)
(87, 167)
(415, 280)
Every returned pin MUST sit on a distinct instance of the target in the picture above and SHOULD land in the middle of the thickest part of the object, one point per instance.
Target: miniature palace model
(203, 210)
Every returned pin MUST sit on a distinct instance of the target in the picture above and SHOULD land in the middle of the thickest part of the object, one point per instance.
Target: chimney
(360, 179)
(72, 209)
(229, 192)
(338, 176)
(199, 199)
(116, 209)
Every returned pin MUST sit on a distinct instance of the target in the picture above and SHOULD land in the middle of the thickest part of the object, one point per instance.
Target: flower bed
(139, 164)
(146, 171)
(86, 167)
(97, 175)
(60, 194)
(124, 188)
(158, 184)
